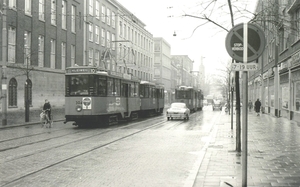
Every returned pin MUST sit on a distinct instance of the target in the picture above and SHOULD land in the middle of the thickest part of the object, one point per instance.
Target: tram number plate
(244, 66)
(78, 102)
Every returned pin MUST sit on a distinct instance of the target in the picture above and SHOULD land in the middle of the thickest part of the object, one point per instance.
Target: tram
(93, 95)
(193, 98)
(152, 98)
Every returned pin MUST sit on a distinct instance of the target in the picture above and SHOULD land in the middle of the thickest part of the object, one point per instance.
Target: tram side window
(153, 93)
(110, 83)
(102, 86)
(117, 87)
(132, 89)
(147, 91)
(113, 87)
(135, 89)
(142, 91)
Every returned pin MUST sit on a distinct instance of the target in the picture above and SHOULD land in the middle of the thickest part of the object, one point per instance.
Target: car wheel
(168, 118)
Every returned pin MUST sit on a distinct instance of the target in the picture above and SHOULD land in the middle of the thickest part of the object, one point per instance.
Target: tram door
(157, 99)
(125, 94)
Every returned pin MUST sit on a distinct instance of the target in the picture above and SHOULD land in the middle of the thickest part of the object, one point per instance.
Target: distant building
(184, 70)
(162, 66)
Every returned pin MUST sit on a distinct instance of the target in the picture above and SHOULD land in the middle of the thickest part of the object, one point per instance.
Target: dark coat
(257, 106)
(47, 106)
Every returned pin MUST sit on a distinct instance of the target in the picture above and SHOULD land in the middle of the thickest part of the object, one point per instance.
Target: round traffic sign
(255, 46)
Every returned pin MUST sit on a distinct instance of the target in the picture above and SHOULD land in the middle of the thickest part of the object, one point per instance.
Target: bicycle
(46, 122)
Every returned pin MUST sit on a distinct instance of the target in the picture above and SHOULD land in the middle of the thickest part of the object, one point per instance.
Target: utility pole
(4, 58)
(276, 73)
(27, 99)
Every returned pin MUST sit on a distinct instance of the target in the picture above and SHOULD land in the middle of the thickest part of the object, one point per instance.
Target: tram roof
(147, 82)
(75, 70)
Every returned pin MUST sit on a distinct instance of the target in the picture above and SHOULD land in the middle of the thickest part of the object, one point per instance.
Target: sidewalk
(273, 154)
(17, 118)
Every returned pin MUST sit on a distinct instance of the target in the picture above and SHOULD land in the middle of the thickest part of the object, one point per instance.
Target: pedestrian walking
(257, 106)
(250, 105)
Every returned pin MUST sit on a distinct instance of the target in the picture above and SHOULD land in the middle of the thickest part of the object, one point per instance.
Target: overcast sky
(195, 37)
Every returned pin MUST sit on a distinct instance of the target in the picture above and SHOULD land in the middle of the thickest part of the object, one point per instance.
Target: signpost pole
(244, 110)
(245, 50)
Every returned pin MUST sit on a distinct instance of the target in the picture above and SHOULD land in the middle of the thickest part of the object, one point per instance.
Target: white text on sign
(244, 66)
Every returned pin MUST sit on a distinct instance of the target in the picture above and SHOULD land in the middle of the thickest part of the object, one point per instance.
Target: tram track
(70, 157)
(55, 146)
(52, 130)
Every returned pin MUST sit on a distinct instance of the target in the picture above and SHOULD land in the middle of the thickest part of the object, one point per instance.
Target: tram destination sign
(244, 66)
(82, 70)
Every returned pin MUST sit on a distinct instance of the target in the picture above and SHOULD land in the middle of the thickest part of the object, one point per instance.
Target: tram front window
(79, 85)
(183, 94)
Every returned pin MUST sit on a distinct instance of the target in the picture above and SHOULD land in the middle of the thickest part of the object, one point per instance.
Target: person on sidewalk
(250, 105)
(257, 106)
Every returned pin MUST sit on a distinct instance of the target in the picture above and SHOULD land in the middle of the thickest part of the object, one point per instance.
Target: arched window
(12, 93)
(28, 90)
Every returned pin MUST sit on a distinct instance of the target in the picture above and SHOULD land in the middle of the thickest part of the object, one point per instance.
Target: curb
(25, 124)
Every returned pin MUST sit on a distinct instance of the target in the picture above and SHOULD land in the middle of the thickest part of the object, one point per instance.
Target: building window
(103, 14)
(73, 19)
(42, 10)
(97, 36)
(125, 31)
(91, 7)
(73, 49)
(63, 55)
(297, 24)
(102, 37)
(113, 19)
(91, 53)
(28, 7)
(28, 91)
(41, 51)
(113, 39)
(108, 39)
(97, 9)
(91, 32)
(27, 47)
(53, 12)
(12, 45)
(12, 4)
(97, 53)
(121, 28)
(52, 54)
(108, 16)
(64, 14)
(13, 93)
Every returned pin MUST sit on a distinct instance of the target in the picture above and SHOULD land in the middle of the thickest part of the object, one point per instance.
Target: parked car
(217, 105)
(178, 110)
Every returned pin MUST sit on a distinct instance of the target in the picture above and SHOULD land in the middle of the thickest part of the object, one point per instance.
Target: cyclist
(47, 109)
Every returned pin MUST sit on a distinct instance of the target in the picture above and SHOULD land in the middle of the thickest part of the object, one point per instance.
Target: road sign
(244, 66)
(255, 42)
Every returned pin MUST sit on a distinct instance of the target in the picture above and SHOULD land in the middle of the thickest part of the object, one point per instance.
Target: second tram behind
(193, 98)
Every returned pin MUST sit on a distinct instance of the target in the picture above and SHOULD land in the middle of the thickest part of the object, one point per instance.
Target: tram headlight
(78, 108)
